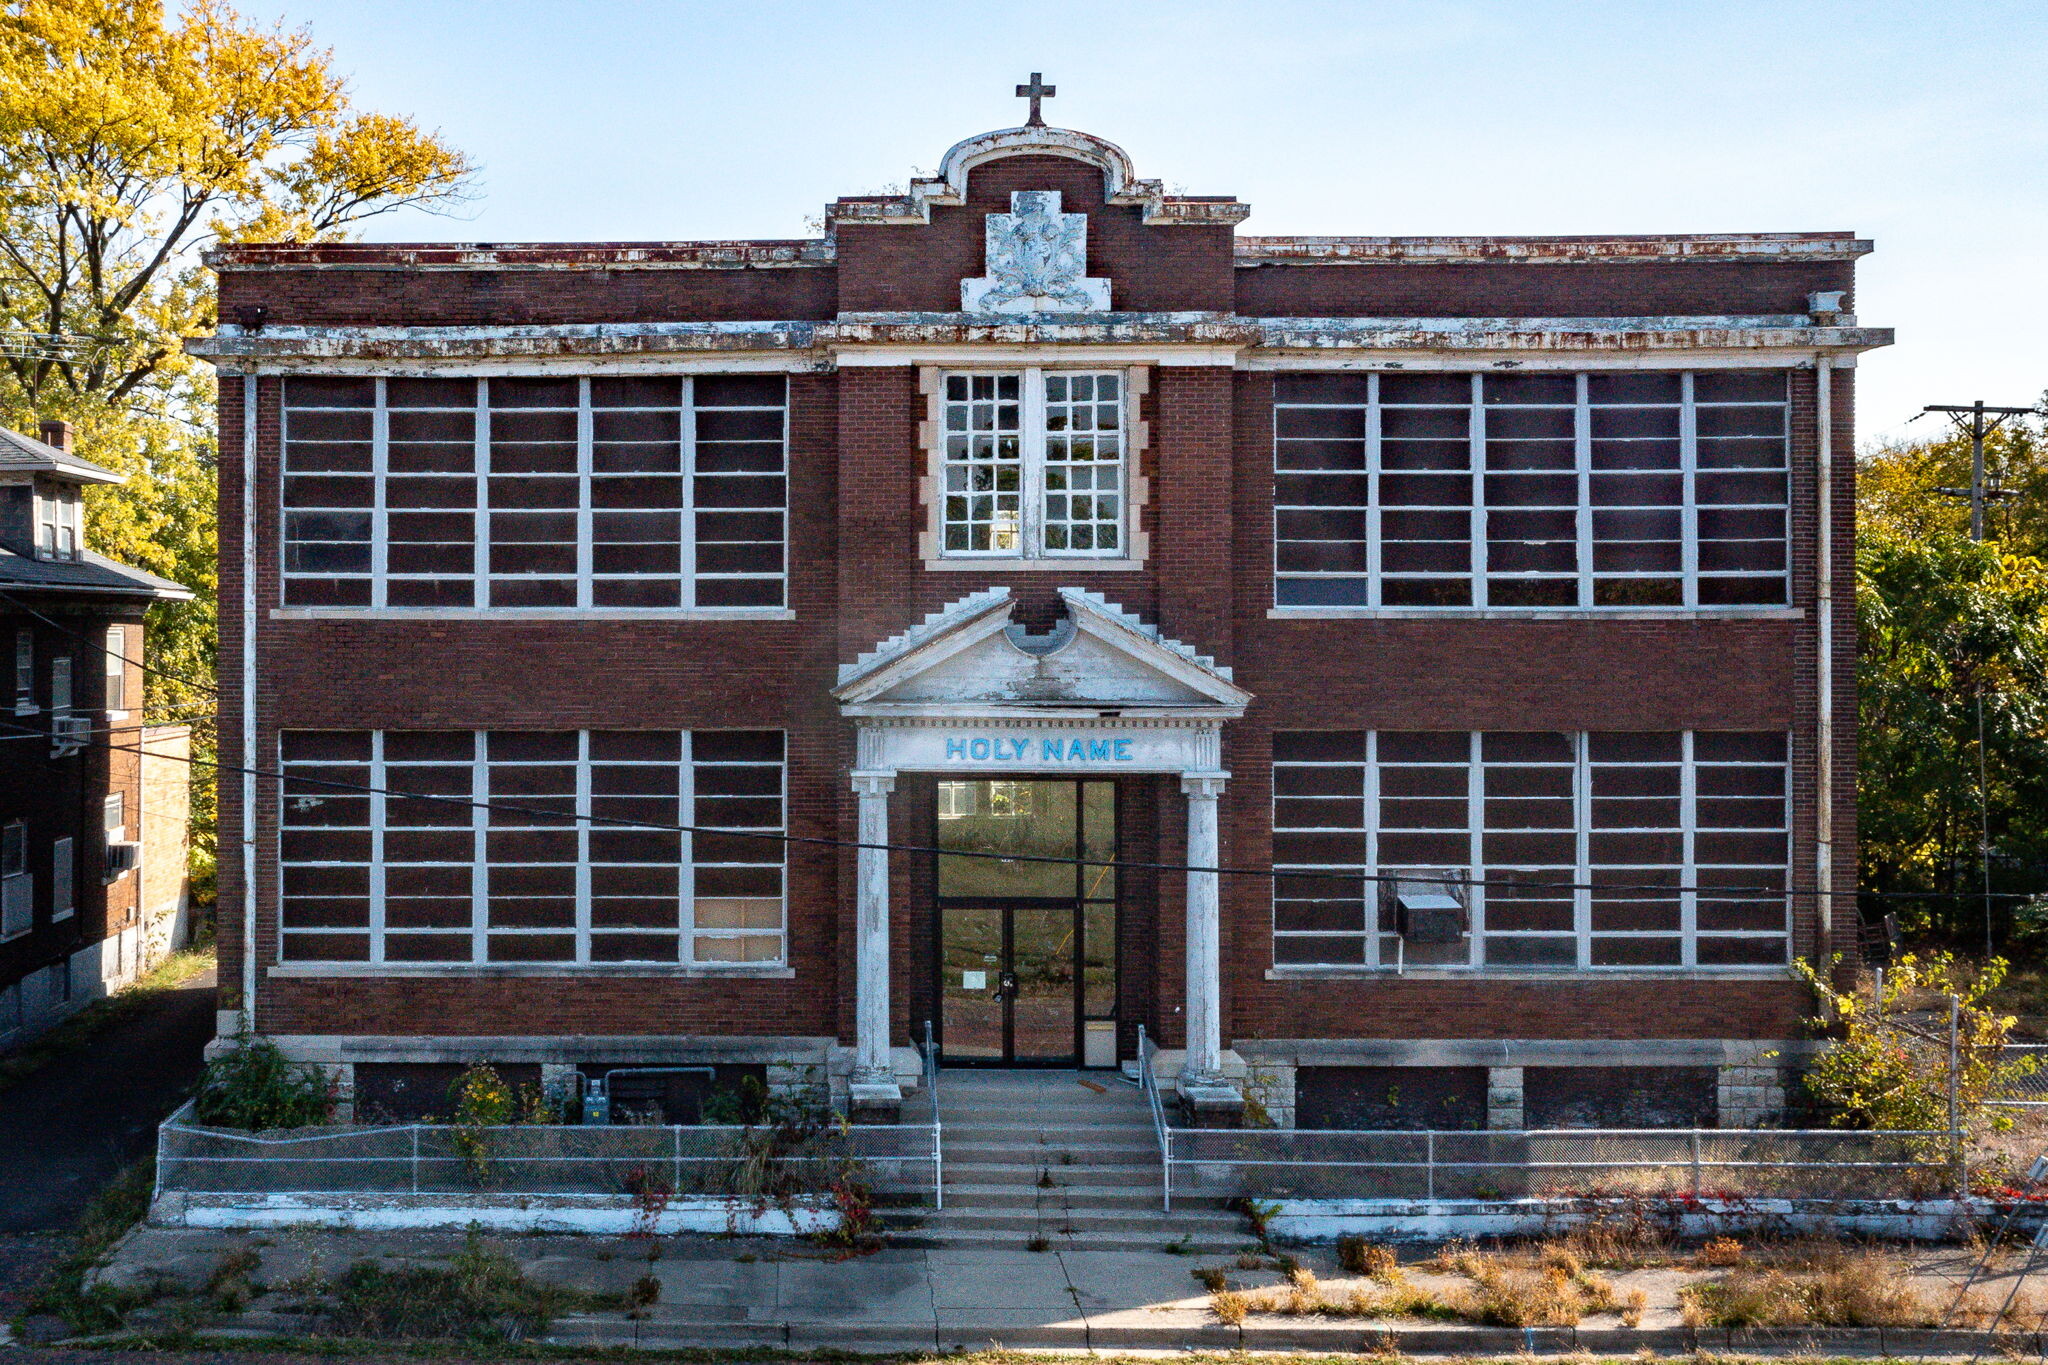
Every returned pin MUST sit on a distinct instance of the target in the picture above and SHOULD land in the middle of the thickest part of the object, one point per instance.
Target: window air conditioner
(69, 734)
(122, 858)
(1426, 911)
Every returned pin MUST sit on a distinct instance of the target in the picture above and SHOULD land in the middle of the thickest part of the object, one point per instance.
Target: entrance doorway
(1026, 958)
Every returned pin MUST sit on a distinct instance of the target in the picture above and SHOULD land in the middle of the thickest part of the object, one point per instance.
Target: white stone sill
(331, 970)
(528, 614)
(1494, 975)
(1077, 564)
(1535, 614)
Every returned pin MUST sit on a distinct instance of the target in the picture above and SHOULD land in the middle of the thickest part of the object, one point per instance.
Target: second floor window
(647, 491)
(1033, 465)
(1611, 490)
(59, 535)
(24, 670)
(116, 669)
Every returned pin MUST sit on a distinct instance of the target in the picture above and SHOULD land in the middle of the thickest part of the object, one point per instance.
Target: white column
(1204, 1064)
(871, 934)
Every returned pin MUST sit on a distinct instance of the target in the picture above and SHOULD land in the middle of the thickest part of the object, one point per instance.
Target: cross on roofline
(1034, 92)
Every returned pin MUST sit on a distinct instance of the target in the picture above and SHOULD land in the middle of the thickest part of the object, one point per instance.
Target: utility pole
(1980, 491)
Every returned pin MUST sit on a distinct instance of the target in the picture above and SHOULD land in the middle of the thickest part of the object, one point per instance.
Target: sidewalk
(735, 1293)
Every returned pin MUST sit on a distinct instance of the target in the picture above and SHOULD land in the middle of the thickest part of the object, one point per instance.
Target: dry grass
(1719, 1254)
(1373, 1260)
(1845, 1289)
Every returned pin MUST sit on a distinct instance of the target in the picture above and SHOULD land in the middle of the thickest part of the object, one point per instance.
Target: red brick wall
(1513, 290)
(857, 578)
(899, 268)
(493, 298)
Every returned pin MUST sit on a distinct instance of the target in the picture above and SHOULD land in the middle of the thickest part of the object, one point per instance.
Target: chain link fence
(1294, 1163)
(2028, 1090)
(625, 1159)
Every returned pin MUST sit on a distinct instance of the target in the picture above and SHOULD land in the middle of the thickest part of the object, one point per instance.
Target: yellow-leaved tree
(130, 139)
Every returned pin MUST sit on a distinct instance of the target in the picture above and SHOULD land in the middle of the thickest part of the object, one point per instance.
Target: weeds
(1373, 1260)
(1870, 1289)
(480, 1296)
(118, 1207)
(231, 1287)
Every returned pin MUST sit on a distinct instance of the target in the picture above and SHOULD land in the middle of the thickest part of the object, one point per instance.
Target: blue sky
(1920, 125)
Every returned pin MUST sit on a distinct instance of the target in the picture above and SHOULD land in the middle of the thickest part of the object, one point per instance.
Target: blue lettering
(1022, 745)
(1076, 751)
(979, 748)
(1123, 751)
(1098, 751)
(1049, 750)
(956, 748)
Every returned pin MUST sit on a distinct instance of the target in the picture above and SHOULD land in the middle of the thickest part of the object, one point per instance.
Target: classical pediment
(970, 658)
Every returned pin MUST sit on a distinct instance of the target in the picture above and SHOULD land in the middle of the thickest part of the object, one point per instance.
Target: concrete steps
(1059, 1159)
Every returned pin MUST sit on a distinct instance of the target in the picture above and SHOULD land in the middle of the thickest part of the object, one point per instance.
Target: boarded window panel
(328, 484)
(740, 491)
(533, 492)
(430, 556)
(326, 846)
(1320, 920)
(739, 907)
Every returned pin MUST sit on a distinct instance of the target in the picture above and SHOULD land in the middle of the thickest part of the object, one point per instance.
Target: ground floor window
(470, 847)
(1587, 850)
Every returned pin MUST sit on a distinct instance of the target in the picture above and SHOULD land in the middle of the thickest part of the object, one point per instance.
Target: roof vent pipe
(57, 433)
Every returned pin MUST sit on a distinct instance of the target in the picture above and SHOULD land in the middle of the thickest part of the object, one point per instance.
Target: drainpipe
(1824, 608)
(249, 703)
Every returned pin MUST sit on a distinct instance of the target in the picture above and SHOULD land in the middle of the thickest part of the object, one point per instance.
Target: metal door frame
(1076, 905)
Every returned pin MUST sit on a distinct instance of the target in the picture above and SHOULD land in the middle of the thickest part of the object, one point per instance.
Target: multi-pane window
(24, 670)
(59, 534)
(63, 878)
(17, 885)
(649, 492)
(1033, 464)
(115, 687)
(1601, 850)
(1629, 489)
(561, 847)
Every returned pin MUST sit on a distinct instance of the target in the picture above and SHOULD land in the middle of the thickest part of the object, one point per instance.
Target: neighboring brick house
(1476, 585)
(82, 910)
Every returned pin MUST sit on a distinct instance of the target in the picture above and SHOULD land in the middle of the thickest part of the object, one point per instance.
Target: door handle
(1006, 987)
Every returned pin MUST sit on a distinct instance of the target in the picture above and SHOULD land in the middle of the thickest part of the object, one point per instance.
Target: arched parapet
(1119, 181)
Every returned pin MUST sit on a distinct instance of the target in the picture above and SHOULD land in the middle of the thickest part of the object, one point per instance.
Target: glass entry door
(1027, 934)
(1008, 988)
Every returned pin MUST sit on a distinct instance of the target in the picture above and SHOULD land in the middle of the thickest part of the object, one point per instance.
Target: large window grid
(510, 868)
(1588, 851)
(646, 492)
(1033, 465)
(1602, 490)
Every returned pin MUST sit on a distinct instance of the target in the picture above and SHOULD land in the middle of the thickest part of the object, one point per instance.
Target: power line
(1263, 873)
(1981, 490)
(101, 645)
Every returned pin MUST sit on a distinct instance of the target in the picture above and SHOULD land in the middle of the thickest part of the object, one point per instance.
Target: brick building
(93, 802)
(1479, 605)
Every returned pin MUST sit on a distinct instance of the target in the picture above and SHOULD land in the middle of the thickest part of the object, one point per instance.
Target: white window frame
(1475, 574)
(1689, 934)
(25, 672)
(690, 569)
(1031, 554)
(18, 885)
(480, 930)
(116, 662)
(63, 878)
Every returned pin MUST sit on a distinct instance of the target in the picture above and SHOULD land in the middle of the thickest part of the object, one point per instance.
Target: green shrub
(256, 1087)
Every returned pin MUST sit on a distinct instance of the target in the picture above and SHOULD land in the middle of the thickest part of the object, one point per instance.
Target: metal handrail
(931, 1081)
(1149, 1083)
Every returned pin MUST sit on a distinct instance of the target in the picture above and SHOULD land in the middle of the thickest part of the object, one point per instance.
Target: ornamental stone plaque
(1036, 257)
